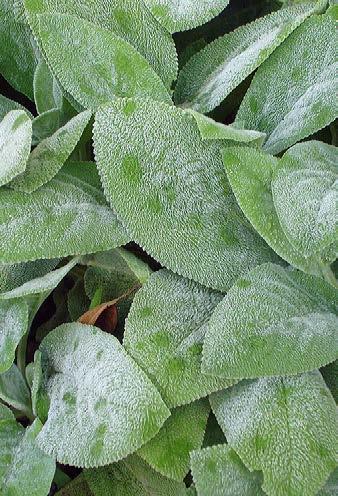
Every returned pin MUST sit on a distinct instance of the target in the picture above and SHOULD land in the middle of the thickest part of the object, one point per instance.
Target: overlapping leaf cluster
(203, 132)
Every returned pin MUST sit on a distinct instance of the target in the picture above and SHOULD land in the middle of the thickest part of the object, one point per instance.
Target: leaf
(168, 452)
(179, 15)
(91, 426)
(13, 325)
(40, 399)
(49, 156)
(218, 471)
(131, 477)
(211, 129)
(305, 193)
(272, 322)
(14, 391)
(17, 55)
(69, 217)
(170, 190)
(96, 77)
(6, 105)
(250, 173)
(46, 124)
(47, 94)
(286, 427)
(24, 469)
(14, 275)
(210, 75)
(291, 105)
(165, 332)
(127, 19)
(42, 284)
(15, 144)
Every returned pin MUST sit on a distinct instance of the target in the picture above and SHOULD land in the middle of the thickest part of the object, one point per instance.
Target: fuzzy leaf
(165, 332)
(170, 190)
(112, 67)
(17, 54)
(42, 284)
(272, 322)
(131, 477)
(210, 75)
(49, 156)
(168, 452)
(286, 427)
(128, 19)
(218, 471)
(179, 15)
(14, 390)
(211, 129)
(15, 275)
(69, 217)
(291, 105)
(6, 105)
(331, 487)
(15, 144)
(250, 173)
(24, 469)
(13, 325)
(89, 426)
(47, 94)
(305, 195)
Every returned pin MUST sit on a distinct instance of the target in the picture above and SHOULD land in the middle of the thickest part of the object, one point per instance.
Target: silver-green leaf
(291, 105)
(102, 406)
(272, 322)
(287, 427)
(170, 190)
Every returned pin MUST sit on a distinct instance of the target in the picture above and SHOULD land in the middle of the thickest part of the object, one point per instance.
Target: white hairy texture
(285, 426)
(210, 75)
(272, 322)
(15, 144)
(291, 105)
(102, 406)
(13, 325)
(165, 333)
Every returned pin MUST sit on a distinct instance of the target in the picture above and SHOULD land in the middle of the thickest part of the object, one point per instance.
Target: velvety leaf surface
(305, 195)
(17, 54)
(15, 144)
(91, 426)
(211, 129)
(128, 19)
(131, 477)
(46, 124)
(272, 322)
(13, 325)
(6, 105)
(14, 390)
(24, 469)
(49, 156)
(179, 15)
(331, 487)
(250, 173)
(112, 67)
(42, 284)
(69, 216)
(169, 451)
(47, 94)
(15, 275)
(170, 190)
(291, 105)
(215, 71)
(218, 471)
(286, 427)
(165, 333)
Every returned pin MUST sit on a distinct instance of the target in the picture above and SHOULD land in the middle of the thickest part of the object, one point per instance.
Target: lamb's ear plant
(168, 246)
